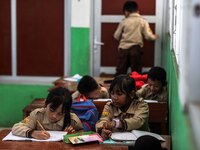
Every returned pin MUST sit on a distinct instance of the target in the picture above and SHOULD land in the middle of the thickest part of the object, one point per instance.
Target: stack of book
(83, 137)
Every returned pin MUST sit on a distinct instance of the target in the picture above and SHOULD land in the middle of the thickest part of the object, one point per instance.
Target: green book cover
(82, 137)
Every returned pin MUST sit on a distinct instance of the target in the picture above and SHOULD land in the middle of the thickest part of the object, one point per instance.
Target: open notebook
(55, 136)
(133, 135)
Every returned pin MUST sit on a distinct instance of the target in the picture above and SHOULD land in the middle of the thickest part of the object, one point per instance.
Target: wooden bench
(158, 117)
(72, 85)
(158, 113)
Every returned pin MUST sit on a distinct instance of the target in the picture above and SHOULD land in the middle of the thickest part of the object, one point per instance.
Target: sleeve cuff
(29, 132)
(124, 125)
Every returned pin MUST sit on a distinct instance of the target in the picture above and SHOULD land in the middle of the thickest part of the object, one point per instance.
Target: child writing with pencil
(126, 112)
(55, 116)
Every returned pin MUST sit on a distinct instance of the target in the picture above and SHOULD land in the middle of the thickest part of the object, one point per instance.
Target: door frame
(67, 37)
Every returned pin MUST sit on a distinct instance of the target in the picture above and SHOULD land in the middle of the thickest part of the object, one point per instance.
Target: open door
(106, 19)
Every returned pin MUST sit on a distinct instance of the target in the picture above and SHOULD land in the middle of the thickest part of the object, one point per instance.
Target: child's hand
(70, 130)
(106, 134)
(110, 125)
(40, 135)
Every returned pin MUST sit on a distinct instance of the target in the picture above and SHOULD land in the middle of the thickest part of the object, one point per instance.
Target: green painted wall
(14, 98)
(178, 124)
(80, 54)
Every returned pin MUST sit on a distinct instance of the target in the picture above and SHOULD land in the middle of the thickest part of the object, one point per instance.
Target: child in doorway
(88, 88)
(130, 33)
(55, 116)
(126, 112)
(155, 89)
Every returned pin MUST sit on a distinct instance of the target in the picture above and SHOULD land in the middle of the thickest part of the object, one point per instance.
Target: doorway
(105, 20)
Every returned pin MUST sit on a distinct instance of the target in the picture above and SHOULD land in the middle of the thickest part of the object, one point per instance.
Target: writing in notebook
(133, 135)
(55, 136)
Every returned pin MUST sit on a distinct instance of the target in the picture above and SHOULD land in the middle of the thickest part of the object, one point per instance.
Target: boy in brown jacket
(130, 33)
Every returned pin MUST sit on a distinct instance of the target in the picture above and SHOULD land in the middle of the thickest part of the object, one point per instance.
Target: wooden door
(5, 38)
(40, 37)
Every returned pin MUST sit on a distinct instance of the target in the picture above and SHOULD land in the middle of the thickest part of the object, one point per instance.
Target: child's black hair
(147, 142)
(157, 73)
(87, 84)
(123, 83)
(60, 96)
(130, 6)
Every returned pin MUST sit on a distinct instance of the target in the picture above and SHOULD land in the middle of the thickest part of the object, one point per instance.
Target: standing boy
(130, 33)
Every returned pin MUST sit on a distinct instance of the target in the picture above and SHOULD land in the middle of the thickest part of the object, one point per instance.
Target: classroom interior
(43, 40)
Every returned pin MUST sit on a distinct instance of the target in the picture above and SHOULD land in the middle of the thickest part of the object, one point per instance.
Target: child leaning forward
(126, 112)
(55, 116)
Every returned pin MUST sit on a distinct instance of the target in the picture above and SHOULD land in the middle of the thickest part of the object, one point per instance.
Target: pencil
(41, 125)
(80, 139)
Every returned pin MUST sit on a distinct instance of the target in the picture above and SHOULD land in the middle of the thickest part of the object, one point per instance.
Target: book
(83, 137)
(133, 135)
(102, 99)
(114, 142)
(74, 78)
(150, 101)
(55, 136)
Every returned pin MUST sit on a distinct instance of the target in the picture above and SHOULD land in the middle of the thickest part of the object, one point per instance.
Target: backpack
(87, 113)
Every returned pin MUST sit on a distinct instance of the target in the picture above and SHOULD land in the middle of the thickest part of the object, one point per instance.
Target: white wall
(80, 13)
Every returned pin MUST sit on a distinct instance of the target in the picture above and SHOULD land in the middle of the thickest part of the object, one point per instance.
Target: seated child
(155, 89)
(126, 112)
(55, 116)
(88, 88)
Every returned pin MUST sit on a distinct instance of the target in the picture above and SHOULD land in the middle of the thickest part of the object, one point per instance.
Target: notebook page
(139, 133)
(123, 136)
(55, 136)
(102, 99)
(150, 101)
